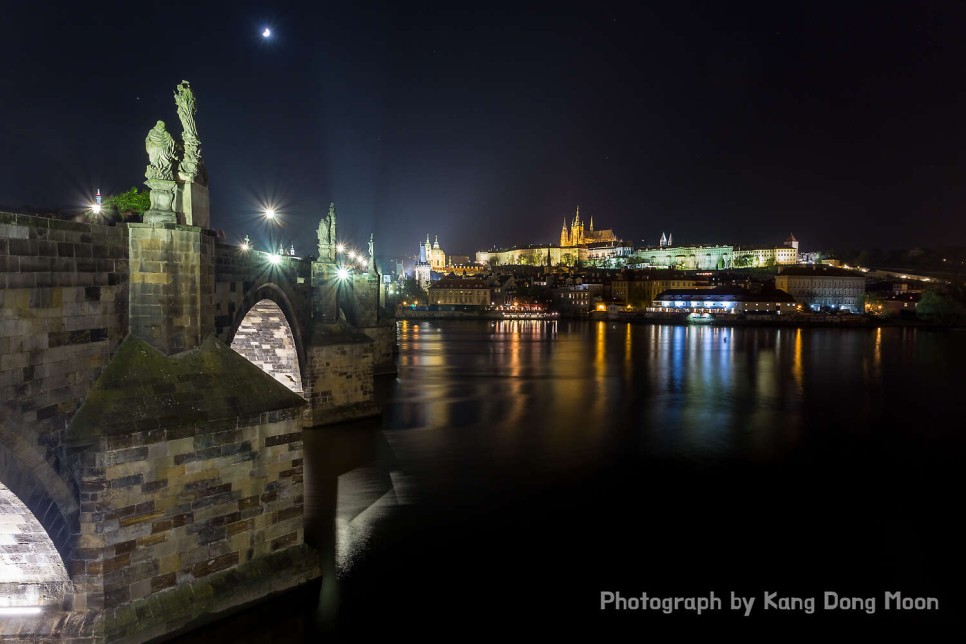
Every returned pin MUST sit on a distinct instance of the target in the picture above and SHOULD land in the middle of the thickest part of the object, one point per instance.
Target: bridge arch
(35, 530)
(265, 330)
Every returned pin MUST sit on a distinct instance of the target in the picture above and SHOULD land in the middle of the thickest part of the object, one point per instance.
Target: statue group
(170, 160)
(328, 241)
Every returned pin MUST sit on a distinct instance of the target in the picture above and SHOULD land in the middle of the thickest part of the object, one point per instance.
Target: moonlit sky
(718, 122)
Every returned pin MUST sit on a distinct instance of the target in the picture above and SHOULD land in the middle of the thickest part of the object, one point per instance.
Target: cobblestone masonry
(265, 339)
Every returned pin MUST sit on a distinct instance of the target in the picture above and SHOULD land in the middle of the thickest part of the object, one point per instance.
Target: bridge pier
(190, 475)
(171, 285)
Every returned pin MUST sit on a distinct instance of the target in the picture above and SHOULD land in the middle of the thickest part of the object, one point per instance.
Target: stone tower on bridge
(154, 386)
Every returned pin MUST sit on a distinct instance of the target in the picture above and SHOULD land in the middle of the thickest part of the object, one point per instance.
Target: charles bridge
(154, 386)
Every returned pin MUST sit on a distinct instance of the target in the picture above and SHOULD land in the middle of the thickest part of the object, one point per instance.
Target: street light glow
(96, 208)
(275, 259)
(270, 214)
(340, 248)
(342, 273)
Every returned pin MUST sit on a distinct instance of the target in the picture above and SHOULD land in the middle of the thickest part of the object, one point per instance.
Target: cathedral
(577, 235)
(432, 254)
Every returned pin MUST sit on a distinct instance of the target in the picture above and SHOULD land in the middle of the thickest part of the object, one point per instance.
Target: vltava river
(522, 468)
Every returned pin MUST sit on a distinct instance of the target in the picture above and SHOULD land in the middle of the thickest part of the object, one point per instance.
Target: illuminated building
(639, 289)
(723, 300)
(576, 235)
(818, 286)
(460, 291)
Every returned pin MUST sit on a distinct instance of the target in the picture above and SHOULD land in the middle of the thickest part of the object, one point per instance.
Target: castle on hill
(576, 235)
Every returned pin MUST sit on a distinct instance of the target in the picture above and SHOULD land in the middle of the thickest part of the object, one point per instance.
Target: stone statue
(191, 164)
(371, 266)
(161, 157)
(327, 236)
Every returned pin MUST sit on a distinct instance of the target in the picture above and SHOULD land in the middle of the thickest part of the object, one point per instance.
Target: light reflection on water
(518, 396)
(522, 398)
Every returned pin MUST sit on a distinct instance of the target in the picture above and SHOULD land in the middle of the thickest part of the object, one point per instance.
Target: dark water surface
(521, 468)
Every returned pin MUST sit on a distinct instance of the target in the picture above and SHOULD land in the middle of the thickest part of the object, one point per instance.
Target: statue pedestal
(192, 202)
(162, 200)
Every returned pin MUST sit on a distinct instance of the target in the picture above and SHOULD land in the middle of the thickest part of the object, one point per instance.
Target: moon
(266, 33)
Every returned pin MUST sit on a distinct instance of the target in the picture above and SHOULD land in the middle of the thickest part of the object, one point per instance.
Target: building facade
(818, 286)
(724, 300)
(459, 291)
(638, 289)
(577, 299)
(701, 258)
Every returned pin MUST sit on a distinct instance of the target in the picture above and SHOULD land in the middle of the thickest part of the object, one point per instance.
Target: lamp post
(271, 216)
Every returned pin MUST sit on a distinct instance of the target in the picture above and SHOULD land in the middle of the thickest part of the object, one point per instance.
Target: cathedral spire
(591, 223)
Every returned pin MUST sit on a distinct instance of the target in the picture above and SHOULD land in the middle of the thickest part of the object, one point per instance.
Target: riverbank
(764, 320)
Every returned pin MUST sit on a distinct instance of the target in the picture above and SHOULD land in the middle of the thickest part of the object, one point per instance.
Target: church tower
(564, 235)
(577, 231)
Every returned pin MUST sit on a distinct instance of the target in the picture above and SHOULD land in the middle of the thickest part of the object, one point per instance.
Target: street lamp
(270, 214)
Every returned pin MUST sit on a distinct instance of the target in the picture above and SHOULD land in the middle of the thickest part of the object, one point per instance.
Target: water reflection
(566, 422)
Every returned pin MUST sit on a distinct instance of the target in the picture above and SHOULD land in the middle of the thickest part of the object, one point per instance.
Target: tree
(127, 205)
(938, 307)
(410, 291)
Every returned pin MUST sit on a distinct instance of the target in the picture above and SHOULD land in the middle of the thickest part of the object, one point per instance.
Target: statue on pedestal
(160, 175)
(371, 266)
(161, 156)
(192, 167)
(328, 241)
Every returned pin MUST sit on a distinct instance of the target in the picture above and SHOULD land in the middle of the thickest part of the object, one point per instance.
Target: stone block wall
(242, 278)
(63, 309)
(383, 348)
(171, 285)
(325, 291)
(359, 300)
(167, 513)
(338, 384)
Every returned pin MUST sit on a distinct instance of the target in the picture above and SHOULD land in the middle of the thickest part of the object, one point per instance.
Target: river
(522, 468)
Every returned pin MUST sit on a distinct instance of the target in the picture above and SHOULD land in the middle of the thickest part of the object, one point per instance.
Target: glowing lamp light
(275, 259)
(340, 248)
(343, 273)
(245, 246)
(96, 208)
(19, 610)
(352, 254)
(270, 214)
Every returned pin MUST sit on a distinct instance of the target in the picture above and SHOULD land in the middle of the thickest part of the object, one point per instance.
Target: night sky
(719, 122)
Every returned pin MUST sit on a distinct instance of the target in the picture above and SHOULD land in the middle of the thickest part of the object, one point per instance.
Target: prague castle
(582, 244)
(577, 236)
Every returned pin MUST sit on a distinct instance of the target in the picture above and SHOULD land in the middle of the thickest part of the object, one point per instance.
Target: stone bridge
(150, 476)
